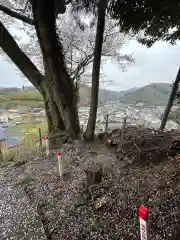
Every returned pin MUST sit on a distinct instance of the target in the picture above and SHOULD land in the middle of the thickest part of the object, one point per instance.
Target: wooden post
(1, 155)
(40, 137)
(106, 126)
(4, 148)
(123, 129)
(122, 135)
(82, 131)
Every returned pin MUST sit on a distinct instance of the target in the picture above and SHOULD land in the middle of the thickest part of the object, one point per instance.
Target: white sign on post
(47, 146)
(143, 217)
(60, 164)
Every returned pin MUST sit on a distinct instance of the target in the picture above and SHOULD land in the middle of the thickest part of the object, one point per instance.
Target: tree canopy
(78, 44)
(149, 20)
(57, 49)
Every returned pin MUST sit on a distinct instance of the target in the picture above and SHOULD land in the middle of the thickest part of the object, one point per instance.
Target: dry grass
(29, 144)
(15, 156)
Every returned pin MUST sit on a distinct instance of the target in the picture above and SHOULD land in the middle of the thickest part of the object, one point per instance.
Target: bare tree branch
(68, 1)
(81, 66)
(16, 15)
(19, 58)
(78, 45)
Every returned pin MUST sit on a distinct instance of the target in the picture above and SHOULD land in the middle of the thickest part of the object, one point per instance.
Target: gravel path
(18, 220)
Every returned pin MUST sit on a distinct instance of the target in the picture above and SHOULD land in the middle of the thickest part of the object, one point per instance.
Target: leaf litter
(145, 170)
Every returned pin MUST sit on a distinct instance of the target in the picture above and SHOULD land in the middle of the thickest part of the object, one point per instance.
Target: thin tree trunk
(89, 134)
(62, 85)
(171, 100)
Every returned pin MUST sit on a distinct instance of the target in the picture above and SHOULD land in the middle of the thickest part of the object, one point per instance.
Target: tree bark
(54, 120)
(48, 117)
(89, 134)
(20, 59)
(63, 89)
(52, 109)
(16, 15)
(171, 100)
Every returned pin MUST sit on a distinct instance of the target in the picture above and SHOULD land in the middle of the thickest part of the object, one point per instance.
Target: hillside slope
(156, 93)
(104, 95)
(16, 94)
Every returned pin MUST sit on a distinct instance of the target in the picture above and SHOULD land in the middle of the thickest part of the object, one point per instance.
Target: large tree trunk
(19, 58)
(61, 83)
(54, 119)
(89, 134)
(48, 117)
(171, 100)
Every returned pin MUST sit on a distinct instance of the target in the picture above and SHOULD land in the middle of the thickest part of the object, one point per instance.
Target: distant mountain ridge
(155, 93)
(131, 90)
(29, 92)
(108, 95)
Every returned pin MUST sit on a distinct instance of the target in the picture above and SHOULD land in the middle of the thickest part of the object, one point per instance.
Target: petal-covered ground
(69, 211)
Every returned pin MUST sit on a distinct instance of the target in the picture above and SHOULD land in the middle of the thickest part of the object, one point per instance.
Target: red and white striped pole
(60, 164)
(143, 217)
(43, 142)
(47, 146)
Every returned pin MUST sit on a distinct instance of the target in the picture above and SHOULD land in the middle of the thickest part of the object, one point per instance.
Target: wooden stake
(60, 164)
(40, 137)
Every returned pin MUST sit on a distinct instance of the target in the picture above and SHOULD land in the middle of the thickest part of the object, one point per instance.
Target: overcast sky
(157, 64)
